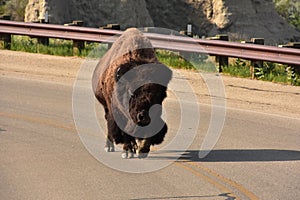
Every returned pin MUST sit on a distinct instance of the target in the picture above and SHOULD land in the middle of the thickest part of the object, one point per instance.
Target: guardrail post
(78, 45)
(41, 40)
(222, 60)
(5, 41)
(111, 27)
(256, 63)
(295, 45)
(5, 38)
(5, 17)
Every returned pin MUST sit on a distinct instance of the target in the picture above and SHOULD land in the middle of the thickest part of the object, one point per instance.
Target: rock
(94, 13)
(35, 10)
(258, 18)
(240, 19)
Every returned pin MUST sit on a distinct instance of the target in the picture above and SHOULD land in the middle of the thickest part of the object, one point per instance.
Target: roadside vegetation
(272, 72)
(240, 68)
(57, 47)
(290, 11)
(13, 8)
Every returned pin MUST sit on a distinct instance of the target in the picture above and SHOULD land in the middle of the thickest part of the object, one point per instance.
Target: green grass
(57, 47)
(272, 72)
(278, 73)
(173, 59)
(191, 61)
(238, 68)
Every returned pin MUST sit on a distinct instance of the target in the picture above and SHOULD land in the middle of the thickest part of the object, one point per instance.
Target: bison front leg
(129, 147)
(143, 147)
(113, 132)
(109, 145)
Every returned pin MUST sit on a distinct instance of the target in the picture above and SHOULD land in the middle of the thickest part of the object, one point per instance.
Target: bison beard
(130, 83)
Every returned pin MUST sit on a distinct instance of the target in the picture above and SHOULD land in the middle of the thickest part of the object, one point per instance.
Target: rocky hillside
(94, 13)
(240, 19)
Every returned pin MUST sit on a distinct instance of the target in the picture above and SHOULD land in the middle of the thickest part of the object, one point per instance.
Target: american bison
(131, 85)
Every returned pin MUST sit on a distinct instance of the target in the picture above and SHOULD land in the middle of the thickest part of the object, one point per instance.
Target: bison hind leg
(109, 146)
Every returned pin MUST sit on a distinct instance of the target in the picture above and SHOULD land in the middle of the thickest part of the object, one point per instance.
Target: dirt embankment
(253, 95)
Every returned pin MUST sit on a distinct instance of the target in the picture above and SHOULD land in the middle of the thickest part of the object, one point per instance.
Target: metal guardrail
(57, 31)
(160, 41)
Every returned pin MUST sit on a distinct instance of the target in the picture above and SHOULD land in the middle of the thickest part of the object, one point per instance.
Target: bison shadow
(232, 155)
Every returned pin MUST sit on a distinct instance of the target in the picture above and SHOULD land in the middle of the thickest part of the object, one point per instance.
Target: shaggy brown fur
(131, 52)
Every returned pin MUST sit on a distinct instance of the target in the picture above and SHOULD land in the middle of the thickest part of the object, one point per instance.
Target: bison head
(139, 93)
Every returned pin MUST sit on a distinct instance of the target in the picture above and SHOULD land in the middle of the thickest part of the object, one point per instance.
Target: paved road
(42, 157)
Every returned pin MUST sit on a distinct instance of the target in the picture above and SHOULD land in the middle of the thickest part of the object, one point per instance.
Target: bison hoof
(142, 155)
(109, 149)
(127, 155)
(109, 146)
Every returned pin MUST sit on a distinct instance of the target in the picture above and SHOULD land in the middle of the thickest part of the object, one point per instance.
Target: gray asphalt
(42, 156)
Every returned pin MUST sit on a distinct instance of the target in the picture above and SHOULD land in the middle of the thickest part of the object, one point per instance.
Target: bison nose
(143, 118)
